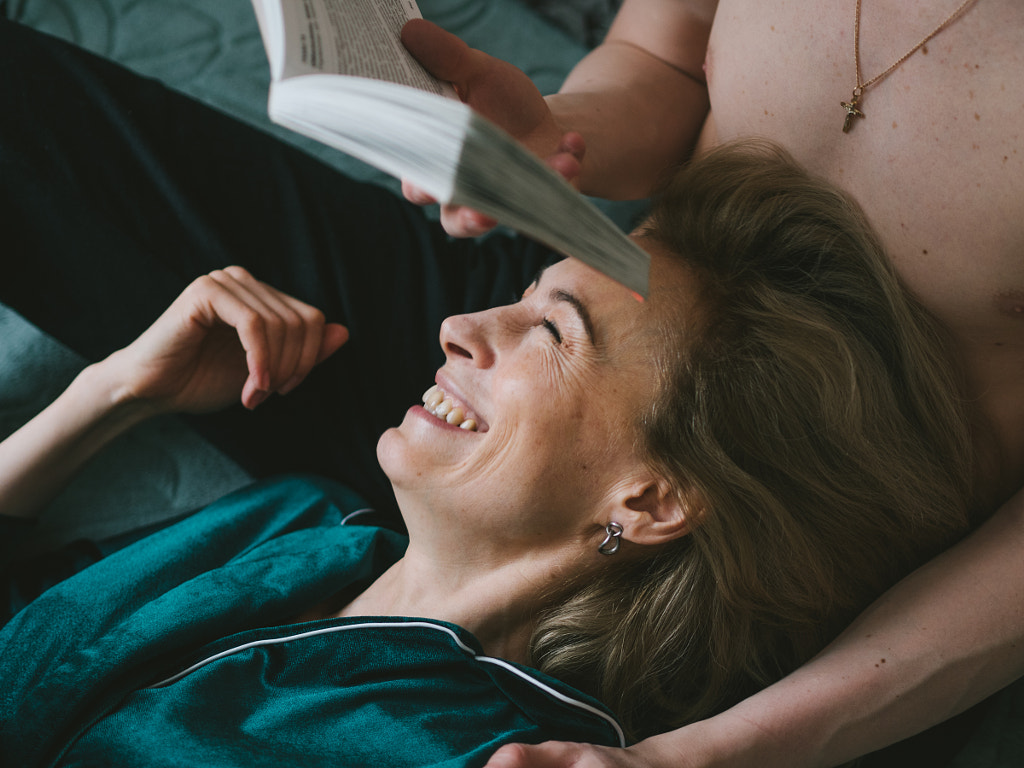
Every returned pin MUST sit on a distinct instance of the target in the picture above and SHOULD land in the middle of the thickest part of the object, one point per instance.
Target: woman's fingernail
(257, 398)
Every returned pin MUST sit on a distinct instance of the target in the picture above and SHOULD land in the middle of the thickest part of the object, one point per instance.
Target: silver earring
(612, 539)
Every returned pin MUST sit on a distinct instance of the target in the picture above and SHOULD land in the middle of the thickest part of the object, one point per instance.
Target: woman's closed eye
(553, 329)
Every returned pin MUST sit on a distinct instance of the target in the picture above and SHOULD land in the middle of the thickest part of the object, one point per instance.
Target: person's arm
(640, 98)
(227, 337)
(628, 113)
(938, 642)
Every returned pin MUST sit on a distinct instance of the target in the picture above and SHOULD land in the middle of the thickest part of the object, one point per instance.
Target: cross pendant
(851, 111)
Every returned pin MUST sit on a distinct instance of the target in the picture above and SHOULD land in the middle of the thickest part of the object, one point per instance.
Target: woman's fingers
(335, 336)
(283, 337)
(286, 323)
(229, 303)
(307, 347)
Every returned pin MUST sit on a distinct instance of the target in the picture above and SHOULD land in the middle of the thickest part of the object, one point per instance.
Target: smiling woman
(735, 435)
(619, 516)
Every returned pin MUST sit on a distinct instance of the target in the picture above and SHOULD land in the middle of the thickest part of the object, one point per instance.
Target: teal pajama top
(183, 649)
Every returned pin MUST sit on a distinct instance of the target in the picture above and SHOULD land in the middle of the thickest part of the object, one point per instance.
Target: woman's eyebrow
(571, 299)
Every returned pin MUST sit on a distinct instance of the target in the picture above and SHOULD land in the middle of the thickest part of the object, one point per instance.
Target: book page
(353, 37)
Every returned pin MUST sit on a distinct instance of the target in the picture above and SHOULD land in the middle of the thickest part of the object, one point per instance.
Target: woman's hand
(503, 94)
(226, 337)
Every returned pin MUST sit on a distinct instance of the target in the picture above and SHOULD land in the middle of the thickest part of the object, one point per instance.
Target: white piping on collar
(401, 625)
(356, 513)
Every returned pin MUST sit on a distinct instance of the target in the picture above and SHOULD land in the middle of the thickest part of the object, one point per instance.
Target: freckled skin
(559, 415)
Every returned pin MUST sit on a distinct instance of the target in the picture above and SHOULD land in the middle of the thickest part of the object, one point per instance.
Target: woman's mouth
(439, 403)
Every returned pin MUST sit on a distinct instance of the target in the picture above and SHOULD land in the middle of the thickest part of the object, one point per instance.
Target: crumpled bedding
(213, 52)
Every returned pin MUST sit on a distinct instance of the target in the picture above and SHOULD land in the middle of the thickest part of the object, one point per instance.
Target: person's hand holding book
(503, 94)
(457, 126)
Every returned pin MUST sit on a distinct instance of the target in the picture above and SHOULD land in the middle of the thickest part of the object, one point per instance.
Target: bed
(212, 51)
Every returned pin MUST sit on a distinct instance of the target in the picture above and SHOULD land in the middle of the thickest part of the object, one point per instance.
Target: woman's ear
(652, 511)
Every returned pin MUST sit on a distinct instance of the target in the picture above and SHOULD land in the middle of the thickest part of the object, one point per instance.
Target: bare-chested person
(934, 154)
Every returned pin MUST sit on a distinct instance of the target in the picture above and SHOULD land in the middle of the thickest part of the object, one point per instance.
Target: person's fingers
(561, 754)
(546, 755)
(440, 52)
(221, 301)
(289, 322)
(274, 324)
(415, 195)
(459, 221)
(567, 159)
(309, 343)
(510, 756)
(335, 336)
(574, 144)
(306, 338)
(495, 88)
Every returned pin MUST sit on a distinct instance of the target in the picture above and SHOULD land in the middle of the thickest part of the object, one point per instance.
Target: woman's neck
(498, 604)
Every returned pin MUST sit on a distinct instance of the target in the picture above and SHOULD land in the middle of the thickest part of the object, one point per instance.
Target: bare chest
(936, 161)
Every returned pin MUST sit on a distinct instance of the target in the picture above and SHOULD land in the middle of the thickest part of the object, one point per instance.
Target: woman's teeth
(437, 402)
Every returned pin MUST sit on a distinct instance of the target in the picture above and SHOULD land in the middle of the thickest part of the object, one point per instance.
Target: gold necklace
(852, 106)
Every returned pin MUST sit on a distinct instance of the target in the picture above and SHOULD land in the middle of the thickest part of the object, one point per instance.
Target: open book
(339, 74)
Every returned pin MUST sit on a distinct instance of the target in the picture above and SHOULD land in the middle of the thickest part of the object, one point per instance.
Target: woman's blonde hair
(813, 415)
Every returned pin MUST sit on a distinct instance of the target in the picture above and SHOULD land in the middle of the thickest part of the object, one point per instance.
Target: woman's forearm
(38, 460)
(227, 338)
(941, 640)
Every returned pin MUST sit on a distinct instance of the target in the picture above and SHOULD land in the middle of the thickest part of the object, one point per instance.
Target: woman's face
(543, 396)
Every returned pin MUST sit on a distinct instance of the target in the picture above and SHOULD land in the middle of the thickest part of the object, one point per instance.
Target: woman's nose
(465, 337)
